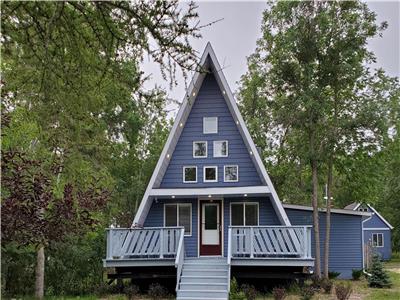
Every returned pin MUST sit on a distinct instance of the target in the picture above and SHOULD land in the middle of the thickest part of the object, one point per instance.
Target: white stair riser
(201, 266)
(203, 287)
(205, 261)
(205, 294)
(203, 279)
(204, 273)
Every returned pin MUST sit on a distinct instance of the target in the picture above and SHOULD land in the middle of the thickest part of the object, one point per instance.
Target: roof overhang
(333, 210)
(212, 192)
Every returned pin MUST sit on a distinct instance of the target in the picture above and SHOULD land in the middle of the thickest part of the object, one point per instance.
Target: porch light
(181, 124)
(194, 93)
(237, 122)
(173, 196)
(209, 196)
(245, 195)
(251, 152)
(167, 155)
(223, 92)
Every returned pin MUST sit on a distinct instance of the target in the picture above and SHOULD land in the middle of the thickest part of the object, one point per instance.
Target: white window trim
(237, 173)
(244, 213)
(183, 174)
(227, 149)
(383, 242)
(216, 174)
(194, 156)
(204, 132)
(177, 214)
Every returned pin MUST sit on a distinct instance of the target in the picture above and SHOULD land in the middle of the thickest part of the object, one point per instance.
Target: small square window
(189, 174)
(210, 125)
(220, 148)
(199, 149)
(210, 174)
(231, 173)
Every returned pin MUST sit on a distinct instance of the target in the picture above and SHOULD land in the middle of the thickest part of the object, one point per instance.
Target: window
(210, 174)
(231, 173)
(210, 125)
(199, 149)
(220, 148)
(244, 214)
(179, 214)
(190, 174)
(363, 209)
(377, 239)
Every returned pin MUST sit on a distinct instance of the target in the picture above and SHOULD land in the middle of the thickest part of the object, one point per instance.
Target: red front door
(211, 227)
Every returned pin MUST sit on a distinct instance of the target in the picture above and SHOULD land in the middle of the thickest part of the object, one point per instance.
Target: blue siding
(210, 103)
(385, 252)
(375, 222)
(345, 243)
(155, 218)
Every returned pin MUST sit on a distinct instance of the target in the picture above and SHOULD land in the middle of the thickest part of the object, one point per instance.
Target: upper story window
(190, 174)
(179, 214)
(377, 239)
(363, 209)
(231, 173)
(244, 214)
(210, 125)
(200, 149)
(210, 174)
(220, 148)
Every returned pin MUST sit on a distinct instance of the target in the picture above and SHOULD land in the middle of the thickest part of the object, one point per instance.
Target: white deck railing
(269, 242)
(151, 242)
(180, 257)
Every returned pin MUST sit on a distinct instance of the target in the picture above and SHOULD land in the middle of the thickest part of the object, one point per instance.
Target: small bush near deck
(327, 285)
(307, 292)
(343, 291)
(356, 274)
(316, 283)
(249, 291)
(131, 291)
(234, 293)
(157, 291)
(379, 277)
(333, 275)
(279, 293)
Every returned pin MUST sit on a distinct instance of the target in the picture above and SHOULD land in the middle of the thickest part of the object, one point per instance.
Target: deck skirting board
(287, 262)
(111, 263)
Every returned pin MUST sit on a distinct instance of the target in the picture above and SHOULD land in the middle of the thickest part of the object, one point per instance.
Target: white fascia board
(249, 190)
(375, 229)
(382, 218)
(333, 210)
(357, 206)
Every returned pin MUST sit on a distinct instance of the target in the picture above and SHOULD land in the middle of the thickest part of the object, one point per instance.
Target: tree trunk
(328, 219)
(39, 284)
(315, 217)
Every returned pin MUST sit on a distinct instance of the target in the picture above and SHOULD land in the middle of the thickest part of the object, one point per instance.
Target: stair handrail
(229, 257)
(179, 259)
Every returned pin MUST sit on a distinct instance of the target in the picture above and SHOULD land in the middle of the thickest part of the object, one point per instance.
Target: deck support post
(251, 242)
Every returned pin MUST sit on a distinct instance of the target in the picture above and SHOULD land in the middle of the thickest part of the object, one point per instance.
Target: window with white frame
(210, 125)
(220, 148)
(244, 214)
(199, 149)
(190, 174)
(231, 173)
(179, 214)
(377, 239)
(210, 174)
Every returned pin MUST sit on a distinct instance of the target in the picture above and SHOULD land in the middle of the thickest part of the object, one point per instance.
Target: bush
(131, 291)
(333, 275)
(343, 291)
(157, 291)
(316, 283)
(307, 293)
(356, 274)
(249, 291)
(327, 285)
(379, 277)
(234, 293)
(279, 293)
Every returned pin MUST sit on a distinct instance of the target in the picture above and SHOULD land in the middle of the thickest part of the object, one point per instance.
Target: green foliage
(235, 293)
(157, 291)
(356, 274)
(343, 291)
(307, 292)
(333, 275)
(379, 277)
(279, 293)
(327, 285)
(131, 291)
(249, 291)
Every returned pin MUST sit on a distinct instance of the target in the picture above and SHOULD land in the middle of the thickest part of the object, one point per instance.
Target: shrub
(249, 291)
(327, 285)
(379, 277)
(279, 293)
(157, 291)
(131, 291)
(356, 274)
(234, 293)
(316, 283)
(333, 275)
(343, 291)
(307, 292)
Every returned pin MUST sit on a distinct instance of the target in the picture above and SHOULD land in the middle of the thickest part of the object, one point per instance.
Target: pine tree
(379, 277)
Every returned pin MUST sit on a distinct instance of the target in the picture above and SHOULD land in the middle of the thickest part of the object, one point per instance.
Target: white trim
(214, 191)
(357, 206)
(244, 212)
(227, 148)
(206, 155)
(382, 218)
(204, 118)
(204, 174)
(383, 242)
(333, 210)
(177, 214)
(237, 167)
(183, 174)
(375, 229)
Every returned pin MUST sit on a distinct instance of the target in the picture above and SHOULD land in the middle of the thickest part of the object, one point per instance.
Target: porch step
(204, 279)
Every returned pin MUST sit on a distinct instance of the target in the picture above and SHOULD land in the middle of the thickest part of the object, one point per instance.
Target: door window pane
(170, 215)
(210, 217)
(199, 149)
(237, 214)
(251, 211)
(220, 148)
(185, 217)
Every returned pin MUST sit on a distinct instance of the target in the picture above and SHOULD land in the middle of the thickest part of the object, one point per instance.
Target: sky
(234, 39)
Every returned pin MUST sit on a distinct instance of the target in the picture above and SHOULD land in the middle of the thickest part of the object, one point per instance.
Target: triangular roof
(210, 63)
(355, 206)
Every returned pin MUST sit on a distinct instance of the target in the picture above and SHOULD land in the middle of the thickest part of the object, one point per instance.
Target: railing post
(162, 243)
(305, 243)
(109, 244)
(309, 242)
(251, 242)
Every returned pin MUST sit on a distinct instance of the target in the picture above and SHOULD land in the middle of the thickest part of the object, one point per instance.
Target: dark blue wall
(210, 103)
(345, 243)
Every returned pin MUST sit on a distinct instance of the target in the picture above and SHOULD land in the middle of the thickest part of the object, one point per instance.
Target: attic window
(190, 174)
(231, 173)
(210, 174)
(199, 149)
(220, 148)
(210, 125)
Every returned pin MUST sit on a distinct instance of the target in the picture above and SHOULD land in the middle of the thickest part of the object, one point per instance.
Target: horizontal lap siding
(386, 251)
(375, 222)
(155, 218)
(345, 242)
(210, 103)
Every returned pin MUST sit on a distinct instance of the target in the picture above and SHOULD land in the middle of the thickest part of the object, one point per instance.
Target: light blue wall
(210, 103)
(345, 243)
